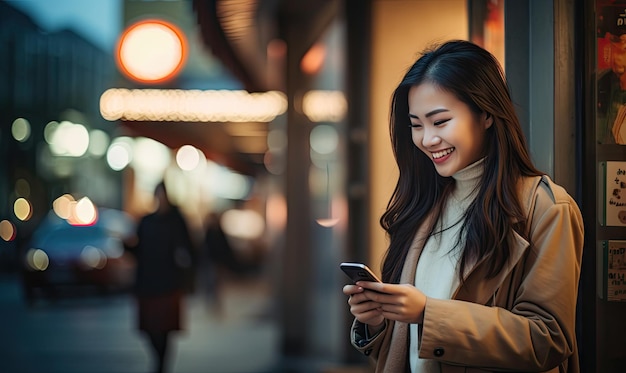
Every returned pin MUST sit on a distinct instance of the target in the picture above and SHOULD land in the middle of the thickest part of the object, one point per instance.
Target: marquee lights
(178, 105)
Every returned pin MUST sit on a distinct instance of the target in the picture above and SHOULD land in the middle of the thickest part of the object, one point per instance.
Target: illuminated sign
(151, 51)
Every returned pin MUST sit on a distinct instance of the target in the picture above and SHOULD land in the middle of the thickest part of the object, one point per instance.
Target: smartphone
(358, 272)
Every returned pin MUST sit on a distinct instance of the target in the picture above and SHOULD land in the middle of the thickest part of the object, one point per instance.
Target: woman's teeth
(442, 153)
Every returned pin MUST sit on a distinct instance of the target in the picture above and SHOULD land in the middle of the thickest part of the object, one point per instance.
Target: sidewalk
(243, 339)
(98, 335)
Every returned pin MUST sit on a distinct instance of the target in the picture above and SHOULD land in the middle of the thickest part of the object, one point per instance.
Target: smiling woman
(475, 232)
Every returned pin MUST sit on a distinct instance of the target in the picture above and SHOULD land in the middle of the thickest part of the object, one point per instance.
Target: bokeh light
(98, 143)
(7, 230)
(93, 257)
(276, 139)
(276, 211)
(37, 259)
(20, 129)
(313, 60)
(83, 212)
(49, 130)
(188, 157)
(62, 206)
(224, 183)
(120, 153)
(151, 51)
(22, 209)
(177, 105)
(150, 155)
(324, 139)
(325, 106)
(244, 224)
(69, 139)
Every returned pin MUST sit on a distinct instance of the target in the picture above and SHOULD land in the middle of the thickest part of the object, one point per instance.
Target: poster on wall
(612, 193)
(611, 72)
(611, 271)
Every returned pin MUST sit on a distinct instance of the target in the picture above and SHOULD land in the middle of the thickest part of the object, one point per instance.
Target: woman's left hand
(399, 302)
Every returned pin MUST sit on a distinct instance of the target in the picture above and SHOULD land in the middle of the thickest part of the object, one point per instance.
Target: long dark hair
(475, 77)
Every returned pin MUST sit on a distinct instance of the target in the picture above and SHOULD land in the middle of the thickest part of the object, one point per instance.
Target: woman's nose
(431, 138)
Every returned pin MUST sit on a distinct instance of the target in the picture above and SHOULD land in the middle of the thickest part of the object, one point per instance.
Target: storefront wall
(401, 29)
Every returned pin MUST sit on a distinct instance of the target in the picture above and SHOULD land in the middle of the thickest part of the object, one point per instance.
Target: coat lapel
(478, 287)
(397, 361)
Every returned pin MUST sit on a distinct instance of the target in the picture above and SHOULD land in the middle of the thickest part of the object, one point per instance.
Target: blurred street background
(267, 120)
(102, 100)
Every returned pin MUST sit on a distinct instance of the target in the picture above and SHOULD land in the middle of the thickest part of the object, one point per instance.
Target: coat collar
(477, 287)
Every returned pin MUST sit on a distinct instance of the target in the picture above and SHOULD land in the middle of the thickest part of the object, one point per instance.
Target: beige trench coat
(521, 320)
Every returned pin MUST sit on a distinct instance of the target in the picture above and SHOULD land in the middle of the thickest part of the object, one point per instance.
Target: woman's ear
(487, 120)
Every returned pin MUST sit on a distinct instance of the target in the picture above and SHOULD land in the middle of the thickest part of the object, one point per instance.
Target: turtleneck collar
(467, 179)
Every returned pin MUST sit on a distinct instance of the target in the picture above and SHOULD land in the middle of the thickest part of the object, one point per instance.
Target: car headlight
(37, 259)
(93, 257)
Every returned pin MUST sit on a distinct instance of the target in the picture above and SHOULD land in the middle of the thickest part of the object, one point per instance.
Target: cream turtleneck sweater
(437, 270)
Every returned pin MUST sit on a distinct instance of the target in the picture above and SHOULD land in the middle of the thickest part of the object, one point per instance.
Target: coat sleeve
(534, 328)
(364, 343)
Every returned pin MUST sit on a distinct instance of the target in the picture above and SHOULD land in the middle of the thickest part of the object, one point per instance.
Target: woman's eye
(415, 125)
(439, 122)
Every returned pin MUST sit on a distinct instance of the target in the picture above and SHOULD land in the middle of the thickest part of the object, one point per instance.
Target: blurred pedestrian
(163, 252)
(220, 260)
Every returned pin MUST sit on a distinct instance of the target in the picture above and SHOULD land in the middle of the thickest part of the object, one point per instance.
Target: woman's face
(446, 129)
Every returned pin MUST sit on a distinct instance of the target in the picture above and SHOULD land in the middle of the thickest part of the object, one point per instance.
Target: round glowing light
(151, 51)
(244, 224)
(150, 155)
(324, 139)
(276, 139)
(92, 257)
(37, 259)
(84, 213)
(120, 153)
(69, 139)
(227, 184)
(188, 157)
(20, 129)
(98, 143)
(7, 230)
(62, 206)
(22, 209)
(313, 60)
(325, 106)
(49, 130)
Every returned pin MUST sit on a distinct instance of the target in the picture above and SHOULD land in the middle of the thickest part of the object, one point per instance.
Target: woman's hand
(362, 307)
(401, 302)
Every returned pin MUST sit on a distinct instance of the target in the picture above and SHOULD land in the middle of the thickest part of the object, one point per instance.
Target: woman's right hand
(364, 309)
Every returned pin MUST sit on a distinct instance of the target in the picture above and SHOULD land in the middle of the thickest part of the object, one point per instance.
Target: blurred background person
(218, 260)
(164, 256)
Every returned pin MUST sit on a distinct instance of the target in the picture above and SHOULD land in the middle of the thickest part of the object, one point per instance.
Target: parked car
(61, 256)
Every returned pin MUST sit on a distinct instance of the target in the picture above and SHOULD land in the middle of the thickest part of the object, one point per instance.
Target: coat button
(439, 351)
(367, 352)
